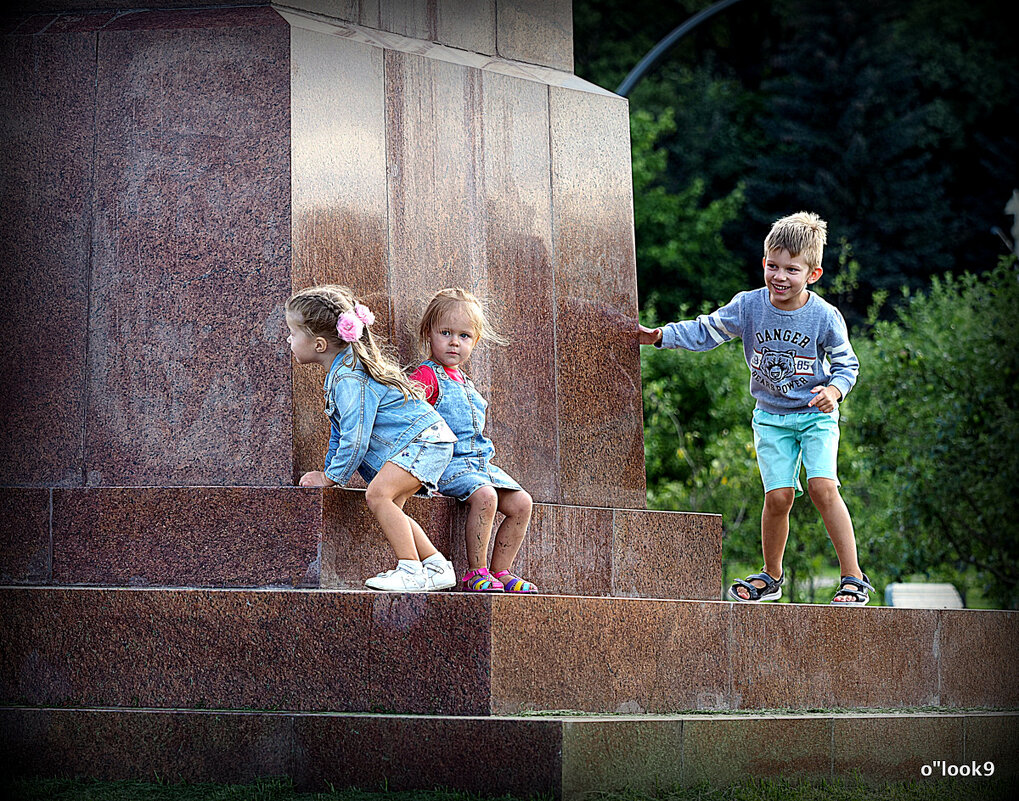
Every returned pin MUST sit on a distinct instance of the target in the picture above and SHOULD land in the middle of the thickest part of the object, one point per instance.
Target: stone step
(313, 538)
(565, 757)
(466, 654)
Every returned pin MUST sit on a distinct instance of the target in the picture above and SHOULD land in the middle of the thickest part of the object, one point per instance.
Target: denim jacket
(370, 421)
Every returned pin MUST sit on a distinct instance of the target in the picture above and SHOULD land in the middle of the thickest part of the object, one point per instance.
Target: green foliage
(680, 253)
(277, 789)
(894, 121)
(934, 428)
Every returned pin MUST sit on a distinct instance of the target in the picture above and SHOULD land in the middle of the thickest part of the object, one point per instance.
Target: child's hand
(826, 398)
(316, 478)
(649, 336)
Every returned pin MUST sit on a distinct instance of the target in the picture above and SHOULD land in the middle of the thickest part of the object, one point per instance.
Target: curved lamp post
(656, 52)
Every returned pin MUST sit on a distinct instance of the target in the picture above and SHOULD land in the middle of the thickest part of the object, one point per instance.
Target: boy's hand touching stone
(826, 398)
(649, 336)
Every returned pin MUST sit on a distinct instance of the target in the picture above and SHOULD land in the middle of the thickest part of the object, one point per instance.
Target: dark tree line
(895, 120)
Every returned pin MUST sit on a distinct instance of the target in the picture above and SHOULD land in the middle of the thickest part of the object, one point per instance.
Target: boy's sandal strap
(771, 584)
(860, 593)
(863, 585)
(768, 579)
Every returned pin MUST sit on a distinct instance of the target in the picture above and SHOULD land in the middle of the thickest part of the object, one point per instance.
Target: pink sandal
(513, 583)
(481, 580)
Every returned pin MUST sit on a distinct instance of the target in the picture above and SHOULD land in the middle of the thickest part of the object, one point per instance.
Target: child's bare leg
(824, 492)
(386, 495)
(481, 507)
(774, 533)
(516, 505)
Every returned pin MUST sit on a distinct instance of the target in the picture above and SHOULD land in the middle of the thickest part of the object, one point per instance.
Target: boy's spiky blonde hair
(802, 234)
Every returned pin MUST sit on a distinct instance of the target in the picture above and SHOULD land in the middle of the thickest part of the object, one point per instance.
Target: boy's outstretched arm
(649, 336)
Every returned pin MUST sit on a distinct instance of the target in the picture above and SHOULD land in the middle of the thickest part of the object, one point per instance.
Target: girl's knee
(516, 503)
(483, 499)
(378, 494)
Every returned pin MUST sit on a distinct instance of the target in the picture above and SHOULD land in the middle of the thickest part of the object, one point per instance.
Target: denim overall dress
(471, 468)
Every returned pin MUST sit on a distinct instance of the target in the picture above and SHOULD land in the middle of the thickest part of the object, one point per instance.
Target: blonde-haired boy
(801, 366)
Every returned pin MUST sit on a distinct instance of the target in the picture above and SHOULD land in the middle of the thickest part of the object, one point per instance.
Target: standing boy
(801, 366)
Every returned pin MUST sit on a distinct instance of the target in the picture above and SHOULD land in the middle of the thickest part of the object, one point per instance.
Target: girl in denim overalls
(453, 323)
(381, 428)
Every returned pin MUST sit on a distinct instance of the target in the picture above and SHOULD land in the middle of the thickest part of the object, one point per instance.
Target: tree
(936, 441)
(680, 253)
(896, 121)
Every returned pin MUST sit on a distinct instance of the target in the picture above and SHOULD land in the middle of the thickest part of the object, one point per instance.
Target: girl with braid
(381, 428)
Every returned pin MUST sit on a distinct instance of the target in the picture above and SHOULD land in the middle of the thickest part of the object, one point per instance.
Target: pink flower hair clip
(364, 314)
(349, 327)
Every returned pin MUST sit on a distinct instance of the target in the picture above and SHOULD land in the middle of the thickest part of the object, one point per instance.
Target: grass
(282, 790)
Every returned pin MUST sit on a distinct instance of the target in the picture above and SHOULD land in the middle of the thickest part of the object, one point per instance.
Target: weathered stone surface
(187, 536)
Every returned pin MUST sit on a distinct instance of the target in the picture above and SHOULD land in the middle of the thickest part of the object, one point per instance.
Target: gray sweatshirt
(788, 352)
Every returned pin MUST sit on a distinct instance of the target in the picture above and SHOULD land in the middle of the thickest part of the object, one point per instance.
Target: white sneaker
(403, 578)
(440, 574)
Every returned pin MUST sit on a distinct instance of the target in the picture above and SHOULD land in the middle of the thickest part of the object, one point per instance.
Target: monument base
(565, 757)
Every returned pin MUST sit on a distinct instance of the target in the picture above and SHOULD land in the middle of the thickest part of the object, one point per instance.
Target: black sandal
(771, 591)
(860, 594)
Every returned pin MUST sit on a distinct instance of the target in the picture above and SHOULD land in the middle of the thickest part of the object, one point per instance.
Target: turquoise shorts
(785, 441)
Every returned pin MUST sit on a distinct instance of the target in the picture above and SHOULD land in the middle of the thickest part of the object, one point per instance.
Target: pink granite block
(48, 94)
(25, 556)
(73, 6)
(26, 24)
(985, 675)
(642, 756)
(608, 655)
(894, 747)
(187, 536)
(395, 753)
(519, 380)
(354, 547)
(793, 656)
(187, 380)
(466, 24)
(338, 160)
(598, 369)
(81, 22)
(298, 650)
(430, 653)
(667, 555)
(537, 31)
(565, 550)
(413, 18)
(721, 752)
(168, 18)
(196, 747)
(436, 217)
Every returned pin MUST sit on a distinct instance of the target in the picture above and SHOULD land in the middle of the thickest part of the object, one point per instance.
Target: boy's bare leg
(481, 507)
(516, 505)
(774, 533)
(824, 492)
